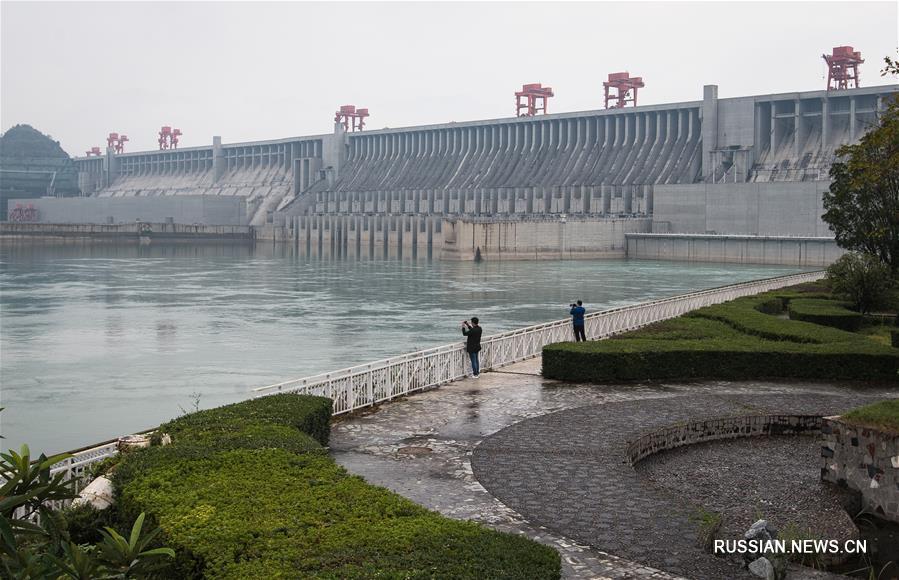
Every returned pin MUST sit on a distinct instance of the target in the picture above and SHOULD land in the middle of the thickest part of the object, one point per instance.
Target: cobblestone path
(421, 447)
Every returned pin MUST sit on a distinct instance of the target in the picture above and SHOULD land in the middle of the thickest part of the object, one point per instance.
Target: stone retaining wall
(865, 460)
(720, 428)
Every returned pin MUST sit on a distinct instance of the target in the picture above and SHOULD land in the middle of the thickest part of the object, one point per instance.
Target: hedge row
(740, 339)
(310, 415)
(242, 493)
(826, 313)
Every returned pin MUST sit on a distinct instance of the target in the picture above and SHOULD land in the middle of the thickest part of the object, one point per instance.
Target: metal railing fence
(365, 385)
(369, 384)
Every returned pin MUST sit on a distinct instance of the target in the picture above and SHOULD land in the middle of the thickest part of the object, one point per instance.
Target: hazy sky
(248, 71)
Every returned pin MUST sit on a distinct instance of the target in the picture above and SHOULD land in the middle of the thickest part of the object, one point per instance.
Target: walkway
(422, 447)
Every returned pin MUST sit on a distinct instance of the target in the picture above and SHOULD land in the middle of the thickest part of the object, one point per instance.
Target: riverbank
(132, 233)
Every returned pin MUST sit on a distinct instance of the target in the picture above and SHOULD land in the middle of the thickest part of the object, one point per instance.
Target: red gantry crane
(842, 67)
(531, 99)
(93, 151)
(623, 84)
(117, 142)
(168, 137)
(351, 117)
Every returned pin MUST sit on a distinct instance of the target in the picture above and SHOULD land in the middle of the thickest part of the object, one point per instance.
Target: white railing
(366, 385)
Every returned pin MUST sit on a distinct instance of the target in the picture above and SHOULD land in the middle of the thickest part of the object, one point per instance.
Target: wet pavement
(422, 447)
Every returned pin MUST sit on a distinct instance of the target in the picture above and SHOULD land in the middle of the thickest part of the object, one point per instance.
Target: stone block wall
(720, 428)
(865, 460)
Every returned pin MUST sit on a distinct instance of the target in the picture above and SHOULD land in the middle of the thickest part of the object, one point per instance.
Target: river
(100, 341)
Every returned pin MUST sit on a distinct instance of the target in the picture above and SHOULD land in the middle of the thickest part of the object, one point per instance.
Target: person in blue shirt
(577, 319)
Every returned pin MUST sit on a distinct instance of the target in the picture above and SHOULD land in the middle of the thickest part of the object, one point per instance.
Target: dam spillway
(656, 162)
(604, 161)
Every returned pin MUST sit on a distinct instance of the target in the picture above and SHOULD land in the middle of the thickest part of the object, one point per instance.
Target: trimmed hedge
(311, 415)
(244, 491)
(275, 514)
(826, 313)
(734, 340)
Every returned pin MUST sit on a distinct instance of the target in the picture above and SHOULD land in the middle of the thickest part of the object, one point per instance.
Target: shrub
(611, 360)
(311, 415)
(826, 313)
(743, 315)
(894, 338)
(735, 340)
(244, 492)
(862, 279)
(270, 513)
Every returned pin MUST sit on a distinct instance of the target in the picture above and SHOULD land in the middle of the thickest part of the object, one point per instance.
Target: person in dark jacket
(577, 320)
(473, 345)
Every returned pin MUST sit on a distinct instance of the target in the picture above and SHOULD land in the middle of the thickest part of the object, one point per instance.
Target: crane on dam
(531, 99)
(842, 68)
(622, 83)
(350, 117)
(168, 137)
(116, 141)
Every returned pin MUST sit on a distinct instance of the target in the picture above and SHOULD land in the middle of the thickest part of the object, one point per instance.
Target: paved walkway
(422, 448)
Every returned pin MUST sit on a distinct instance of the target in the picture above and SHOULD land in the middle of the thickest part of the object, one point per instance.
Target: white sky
(249, 71)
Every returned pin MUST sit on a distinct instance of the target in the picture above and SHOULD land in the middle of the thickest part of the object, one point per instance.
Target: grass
(883, 415)
(709, 523)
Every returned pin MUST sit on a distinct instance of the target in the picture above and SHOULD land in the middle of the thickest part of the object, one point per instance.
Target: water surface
(100, 341)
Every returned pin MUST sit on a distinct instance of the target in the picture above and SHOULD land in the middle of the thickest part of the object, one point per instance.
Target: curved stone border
(719, 428)
(571, 471)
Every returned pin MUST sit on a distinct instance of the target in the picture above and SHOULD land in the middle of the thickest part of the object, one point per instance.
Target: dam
(563, 185)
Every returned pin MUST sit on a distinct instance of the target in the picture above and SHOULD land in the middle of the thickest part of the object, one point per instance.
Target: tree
(862, 205)
(862, 279)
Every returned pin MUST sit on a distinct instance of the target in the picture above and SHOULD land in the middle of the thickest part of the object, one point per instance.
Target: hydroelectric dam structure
(717, 179)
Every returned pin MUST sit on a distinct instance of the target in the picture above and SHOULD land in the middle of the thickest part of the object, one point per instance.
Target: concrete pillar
(334, 149)
(852, 119)
(709, 126)
(218, 160)
(110, 167)
(773, 127)
(797, 127)
(825, 122)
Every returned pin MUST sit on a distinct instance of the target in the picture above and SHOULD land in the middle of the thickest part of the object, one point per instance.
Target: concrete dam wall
(266, 175)
(714, 164)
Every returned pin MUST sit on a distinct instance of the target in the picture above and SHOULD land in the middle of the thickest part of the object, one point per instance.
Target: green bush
(83, 523)
(270, 513)
(244, 492)
(311, 415)
(735, 340)
(826, 313)
(862, 279)
(894, 338)
(743, 315)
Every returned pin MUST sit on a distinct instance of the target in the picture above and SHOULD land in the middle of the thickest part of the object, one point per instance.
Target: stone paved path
(569, 471)
(421, 447)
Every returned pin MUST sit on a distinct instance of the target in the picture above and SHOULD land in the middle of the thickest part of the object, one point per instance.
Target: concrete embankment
(122, 233)
(781, 250)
